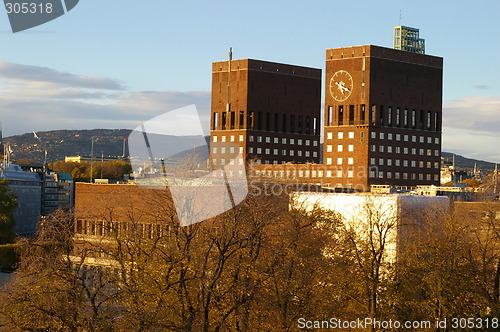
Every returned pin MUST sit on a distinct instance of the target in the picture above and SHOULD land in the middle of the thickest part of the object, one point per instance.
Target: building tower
(407, 39)
(267, 111)
(382, 117)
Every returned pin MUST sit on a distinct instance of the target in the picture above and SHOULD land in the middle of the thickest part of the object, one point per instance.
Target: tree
(8, 205)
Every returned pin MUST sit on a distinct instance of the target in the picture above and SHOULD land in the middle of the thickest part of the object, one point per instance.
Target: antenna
(400, 14)
(228, 106)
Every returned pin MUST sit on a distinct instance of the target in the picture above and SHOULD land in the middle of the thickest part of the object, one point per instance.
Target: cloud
(35, 101)
(27, 73)
(481, 87)
(471, 127)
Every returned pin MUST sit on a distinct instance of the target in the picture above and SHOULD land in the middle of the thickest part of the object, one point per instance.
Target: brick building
(383, 110)
(269, 112)
(382, 118)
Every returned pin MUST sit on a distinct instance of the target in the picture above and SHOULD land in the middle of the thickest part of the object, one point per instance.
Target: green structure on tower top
(407, 39)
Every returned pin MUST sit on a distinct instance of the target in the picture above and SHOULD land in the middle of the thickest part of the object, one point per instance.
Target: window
(413, 151)
(223, 138)
(396, 175)
(241, 138)
(436, 153)
(276, 140)
(398, 149)
(380, 175)
(214, 150)
(389, 116)
(389, 162)
(329, 135)
(429, 140)
(340, 135)
(429, 120)
(389, 136)
(406, 138)
(240, 149)
(381, 148)
(283, 140)
(373, 148)
(283, 152)
(268, 139)
(259, 150)
(421, 152)
(299, 153)
(405, 119)
(414, 138)
(308, 142)
(328, 161)
(231, 138)
(372, 174)
(341, 115)
(381, 161)
(422, 138)
(339, 161)
(350, 161)
(250, 150)
(250, 138)
(330, 116)
(268, 151)
(339, 174)
(259, 139)
(231, 149)
(398, 137)
(372, 115)
(315, 154)
(214, 139)
(215, 121)
(396, 162)
(275, 152)
(389, 175)
(405, 150)
(413, 118)
(389, 149)
(397, 117)
(350, 174)
(350, 147)
(351, 134)
(315, 143)
(339, 148)
(374, 134)
(328, 174)
(372, 161)
(405, 176)
(381, 135)
(436, 140)
(291, 153)
(405, 163)
(328, 148)
(413, 163)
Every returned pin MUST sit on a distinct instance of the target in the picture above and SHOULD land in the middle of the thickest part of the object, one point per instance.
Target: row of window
(266, 139)
(398, 149)
(346, 174)
(382, 116)
(286, 123)
(404, 176)
(406, 138)
(340, 161)
(389, 137)
(405, 163)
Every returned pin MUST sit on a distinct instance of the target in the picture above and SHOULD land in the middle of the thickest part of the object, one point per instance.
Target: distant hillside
(467, 163)
(61, 143)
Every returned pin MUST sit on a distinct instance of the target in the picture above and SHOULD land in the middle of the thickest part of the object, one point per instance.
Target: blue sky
(116, 63)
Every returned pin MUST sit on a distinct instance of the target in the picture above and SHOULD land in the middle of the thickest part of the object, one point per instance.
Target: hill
(61, 143)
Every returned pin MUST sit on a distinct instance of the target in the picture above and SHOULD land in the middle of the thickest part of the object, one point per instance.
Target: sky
(118, 63)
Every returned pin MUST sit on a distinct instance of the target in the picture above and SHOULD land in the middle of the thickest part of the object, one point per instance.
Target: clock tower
(382, 117)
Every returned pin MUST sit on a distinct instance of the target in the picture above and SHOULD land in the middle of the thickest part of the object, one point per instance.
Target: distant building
(408, 39)
(28, 188)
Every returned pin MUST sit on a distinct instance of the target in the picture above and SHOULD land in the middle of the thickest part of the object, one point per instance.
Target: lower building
(391, 218)
(28, 188)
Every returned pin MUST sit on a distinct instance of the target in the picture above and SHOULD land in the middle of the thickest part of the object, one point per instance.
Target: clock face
(341, 85)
